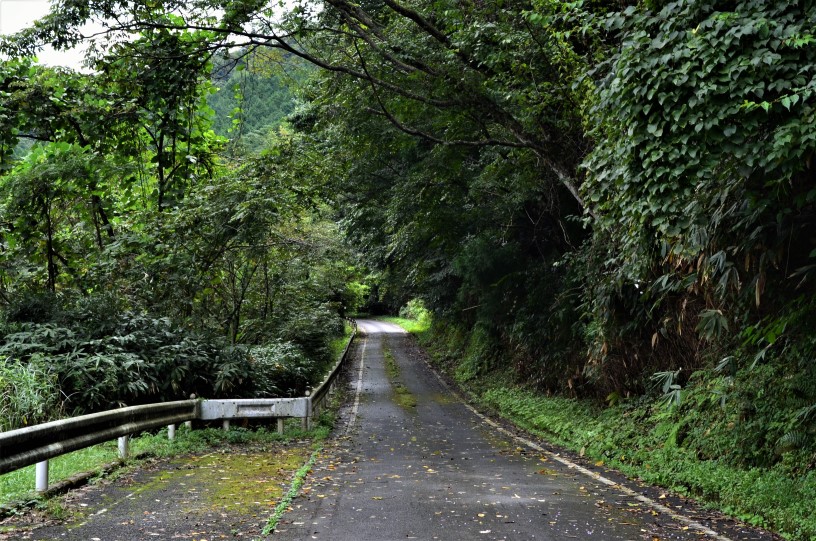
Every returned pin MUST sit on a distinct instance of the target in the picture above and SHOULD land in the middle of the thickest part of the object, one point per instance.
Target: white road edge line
(692, 524)
(359, 389)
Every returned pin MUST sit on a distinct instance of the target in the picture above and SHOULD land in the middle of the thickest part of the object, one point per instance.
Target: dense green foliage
(703, 180)
(606, 200)
(139, 261)
(96, 357)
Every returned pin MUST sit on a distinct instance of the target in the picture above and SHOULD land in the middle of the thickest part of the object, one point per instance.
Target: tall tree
(496, 74)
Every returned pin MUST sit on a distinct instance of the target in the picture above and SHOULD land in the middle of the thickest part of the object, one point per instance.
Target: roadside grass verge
(639, 442)
(17, 487)
(647, 440)
(293, 492)
(338, 344)
(413, 326)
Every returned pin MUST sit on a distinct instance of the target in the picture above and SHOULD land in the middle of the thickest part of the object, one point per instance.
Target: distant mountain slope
(254, 96)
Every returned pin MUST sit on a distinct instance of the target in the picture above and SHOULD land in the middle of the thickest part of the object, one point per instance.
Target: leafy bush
(415, 309)
(99, 357)
(312, 327)
(479, 355)
(354, 296)
(143, 360)
(92, 356)
(281, 369)
(27, 306)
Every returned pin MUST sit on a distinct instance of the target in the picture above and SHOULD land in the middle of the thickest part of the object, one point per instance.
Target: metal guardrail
(36, 444)
(253, 408)
(32, 444)
(319, 394)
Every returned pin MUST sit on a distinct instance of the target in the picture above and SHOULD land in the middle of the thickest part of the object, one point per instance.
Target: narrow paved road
(412, 462)
(416, 463)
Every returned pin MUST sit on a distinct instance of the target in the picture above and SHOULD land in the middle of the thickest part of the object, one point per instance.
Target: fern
(792, 441)
(807, 414)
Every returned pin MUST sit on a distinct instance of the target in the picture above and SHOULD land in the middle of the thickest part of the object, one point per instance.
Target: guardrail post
(280, 425)
(124, 447)
(41, 476)
(225, 424)
(171, 432)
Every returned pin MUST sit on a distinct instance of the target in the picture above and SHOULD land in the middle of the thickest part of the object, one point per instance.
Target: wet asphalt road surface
(416, 463)
(411, 461)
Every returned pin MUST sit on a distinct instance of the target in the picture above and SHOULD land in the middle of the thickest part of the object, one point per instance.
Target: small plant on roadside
(28, 393)
(413, 317)
(291, 494)
(671, 390)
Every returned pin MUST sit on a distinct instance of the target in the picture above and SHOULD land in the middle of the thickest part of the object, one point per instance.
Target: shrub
(312, 327)
(281, 369)
(99, 356)
(415, 309)
(39, 308)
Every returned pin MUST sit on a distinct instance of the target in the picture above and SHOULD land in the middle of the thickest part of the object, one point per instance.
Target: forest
(611, 202)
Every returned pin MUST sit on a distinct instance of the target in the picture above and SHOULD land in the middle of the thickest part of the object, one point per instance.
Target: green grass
(412, 326)
(27, 393)
(291, 494)
(338, 345)
(18, 486)
(641, 442)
